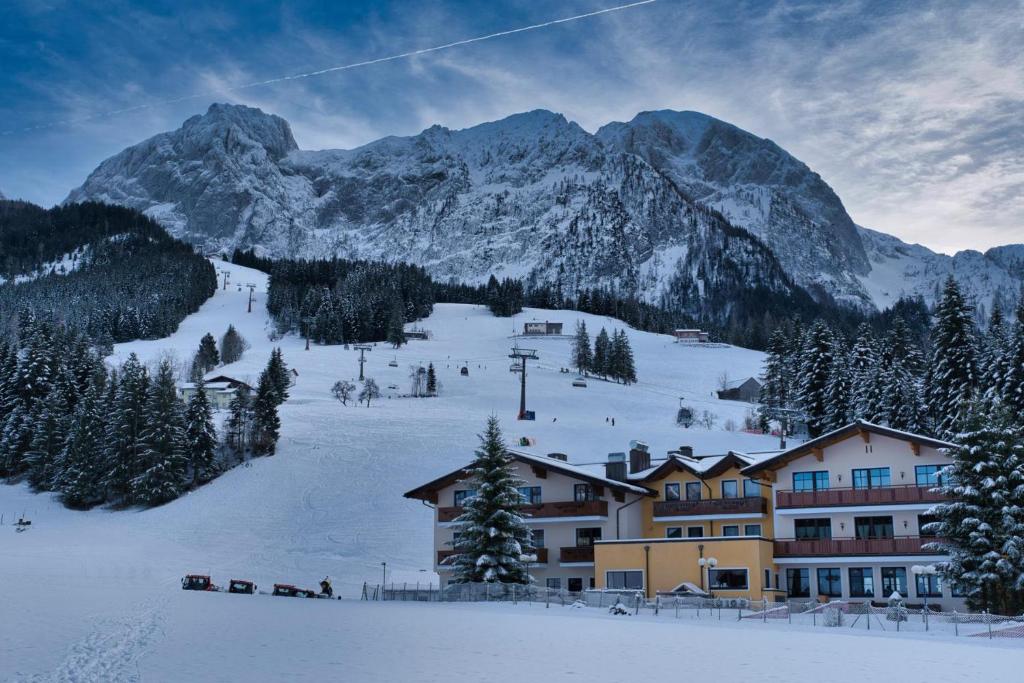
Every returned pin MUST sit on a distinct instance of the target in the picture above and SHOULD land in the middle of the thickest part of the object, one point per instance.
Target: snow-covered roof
(217, 386)
(737, 383)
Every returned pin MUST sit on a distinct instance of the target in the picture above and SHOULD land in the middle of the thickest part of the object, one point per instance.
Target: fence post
(956, 624)
(547, 598)
(789, 612)
(988, 620)
(514, 602)
(677, 607)
(657, 604)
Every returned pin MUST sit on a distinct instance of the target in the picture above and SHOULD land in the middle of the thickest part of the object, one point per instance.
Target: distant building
(219, 390)
(748, 390)
(544, 328)
(691, 336)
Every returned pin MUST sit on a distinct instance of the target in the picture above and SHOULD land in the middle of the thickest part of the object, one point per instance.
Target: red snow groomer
(197, 582)
(241, 586)
(289, 591)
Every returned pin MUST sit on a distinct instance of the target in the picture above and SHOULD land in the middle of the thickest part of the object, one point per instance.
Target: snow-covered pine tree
(266, 424)
(35, 369)
(981, 525)
(993, 354)
(232, 346)
(206, 358)
(816, 361)
(279, 374)
(80, 465)
(125, 422)
(396, 325)
(862, 367)
(602, 353)
(492, 536)
(49, 434)
(431, 380)
(1012, 386)
(163, 473)
(200, 436)
(622, 353)
(775, 380)
(953, 372)
(239, 420)
(838, 392)
(581, 354)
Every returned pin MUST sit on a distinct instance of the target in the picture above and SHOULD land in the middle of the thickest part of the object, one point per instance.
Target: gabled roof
(825, 440)
(429, 490)
(737, 383)
(699, 467)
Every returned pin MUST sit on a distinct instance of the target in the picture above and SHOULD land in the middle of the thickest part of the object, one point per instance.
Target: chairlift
(393, 363)
(579, 382)
(684, 415)
(515, 367)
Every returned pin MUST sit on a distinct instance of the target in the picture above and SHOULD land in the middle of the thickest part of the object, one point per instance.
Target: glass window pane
(798, 583)
(730, 488)
(894, 579)
(674, 532)
(829, 582)
(751, 489)
(672, 491)
(731, 530)
(693, 490)
(752, 530)
(728, 579)
(695, 531)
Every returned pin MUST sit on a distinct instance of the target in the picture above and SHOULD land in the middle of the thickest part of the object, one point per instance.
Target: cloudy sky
(913, 112)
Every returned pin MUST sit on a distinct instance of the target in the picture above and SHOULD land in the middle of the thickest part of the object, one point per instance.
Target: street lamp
(924, 570)
(710, 563)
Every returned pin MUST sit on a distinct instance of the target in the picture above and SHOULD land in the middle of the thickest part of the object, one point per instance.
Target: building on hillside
(569, 509)
(219, 390)
(692, 336)
(839, 517)
(748, 390)
(535, 328)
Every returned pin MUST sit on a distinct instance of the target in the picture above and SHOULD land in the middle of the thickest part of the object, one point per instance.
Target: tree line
(611, 356)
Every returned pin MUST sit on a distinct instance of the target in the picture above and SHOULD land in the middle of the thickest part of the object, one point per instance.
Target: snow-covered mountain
(638, 206)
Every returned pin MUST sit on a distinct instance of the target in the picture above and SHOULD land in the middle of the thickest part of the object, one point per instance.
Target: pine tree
(953, 372)
(279, 375)
(80, 465)
(239, 420)
(862, 367)
(838, 398)
(125, 423)
(163, 474)
(981, 525)
(493, 538)
(206, 358)
(622, 358)
(232, 346)
(602, 353)
(1012, 385)
(265, 422)
(369, 392)
(581, 356)
(431, 380)
(49, 435)
(776, 398)
(396, 326)
(200, 436)
(816, 362)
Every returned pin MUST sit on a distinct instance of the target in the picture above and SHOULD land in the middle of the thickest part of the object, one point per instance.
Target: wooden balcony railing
(884, 495)
(755, 505)
(587, 508)
(809, 547)
(541, 553)
(576, 553)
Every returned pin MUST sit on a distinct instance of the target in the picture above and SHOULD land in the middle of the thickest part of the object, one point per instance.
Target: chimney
(639, 457)
(686, 451)
(559, 456)
(615, 468)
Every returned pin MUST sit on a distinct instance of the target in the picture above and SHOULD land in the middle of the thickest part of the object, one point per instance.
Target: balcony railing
(541, 553)
(576, 553)
(587, 508)
(882, 495)
(808, 547)
(755, 505)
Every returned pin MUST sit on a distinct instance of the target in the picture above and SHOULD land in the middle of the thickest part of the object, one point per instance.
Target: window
(871, 478)
(751, 489)
(672, 491)
(922, 523)
(731, 530)
(829, 582)
(583, 493)
(928, 585)
(798, 583)
(730, 488)
(593, 582)
(694, 531)
(767, 579)
(629, 580)
(810, 481)
(894, 580)
(873, 527)
(862, 582)
(462, 496)
(587, 535)
(674, 532)
(537, 536)
(530, 494)
(928, 475)
(553, 584)
(693, 490)
(813, 528)
(575, 585)
(728, 579)
(751, 529)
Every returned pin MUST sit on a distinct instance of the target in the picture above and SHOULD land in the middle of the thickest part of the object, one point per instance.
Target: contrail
(333, 69)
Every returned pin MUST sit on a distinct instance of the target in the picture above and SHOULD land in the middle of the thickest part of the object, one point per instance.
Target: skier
(325, 587)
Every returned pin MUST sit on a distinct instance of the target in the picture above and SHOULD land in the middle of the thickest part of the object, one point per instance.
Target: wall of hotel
(674, 561)
(555, 488)
(710, 489)
(839, 461)
(947, 601)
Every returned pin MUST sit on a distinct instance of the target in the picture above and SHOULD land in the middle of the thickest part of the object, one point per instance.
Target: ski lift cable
(328, 70)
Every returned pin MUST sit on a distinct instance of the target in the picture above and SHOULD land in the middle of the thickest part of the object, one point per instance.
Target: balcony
(884, 495)
(587, 508)
(812, 547)
(576, 553)
(716, 506)
(542, 556)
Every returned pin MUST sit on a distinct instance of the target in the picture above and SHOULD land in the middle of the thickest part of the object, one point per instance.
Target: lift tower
(522, 355)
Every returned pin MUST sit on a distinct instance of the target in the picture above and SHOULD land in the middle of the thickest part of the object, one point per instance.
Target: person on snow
(325, 587)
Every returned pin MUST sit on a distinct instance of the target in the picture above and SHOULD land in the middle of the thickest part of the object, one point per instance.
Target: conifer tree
(492, 536)
(624, 368)
(239, 420)
(838, 397)
(816, 362)
(396, 326)
(125, 423)
(163, 472)
(279, 375)
(863, 365)
(431, 380)
(602, 353)
(1012, 385)
(200, 436)
(953, 372)
(265, 422)
(581, 355)
(49, 435)
(232, 346)
(206, 358)
(776, 397)
(81, 461)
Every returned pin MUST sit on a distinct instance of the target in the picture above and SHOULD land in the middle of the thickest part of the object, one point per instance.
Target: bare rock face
(670, 204)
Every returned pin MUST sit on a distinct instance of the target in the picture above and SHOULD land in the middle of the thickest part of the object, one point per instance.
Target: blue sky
(911, 111)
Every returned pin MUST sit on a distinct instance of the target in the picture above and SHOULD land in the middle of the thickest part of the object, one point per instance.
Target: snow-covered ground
(95, 595)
